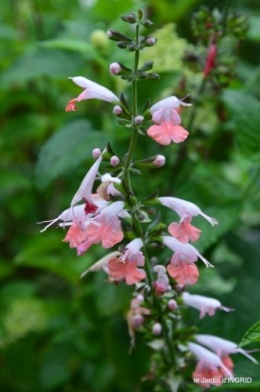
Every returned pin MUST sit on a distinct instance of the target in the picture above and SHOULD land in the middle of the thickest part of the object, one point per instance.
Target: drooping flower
(222, 347)
(210, 369)
(204, 304)
(76, 234)
(106, 227)
(92, 90)
(184, 231)
(184, 271)
(126, 266)
(187, 250)
(161, 284)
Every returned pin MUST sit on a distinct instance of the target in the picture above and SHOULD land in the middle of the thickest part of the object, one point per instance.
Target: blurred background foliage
(58, 334)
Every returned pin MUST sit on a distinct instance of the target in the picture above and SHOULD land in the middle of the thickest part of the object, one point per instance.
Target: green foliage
(251, 336)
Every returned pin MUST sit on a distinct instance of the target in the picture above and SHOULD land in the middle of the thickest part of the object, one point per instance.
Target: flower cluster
(112, 215)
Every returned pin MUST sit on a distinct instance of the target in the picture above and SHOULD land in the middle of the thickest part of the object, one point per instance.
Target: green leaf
(53, 63)
(65, 150)
(73, 45)
(244, 110)
(251, 336)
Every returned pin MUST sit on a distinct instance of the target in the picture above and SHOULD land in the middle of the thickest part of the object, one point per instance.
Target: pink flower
(166, 133)
(76, 234)
(92, 90)
(106, 226)
(125, 267)
(183, 270)
(165, 114)
(172, 304)
(203, 304)
(186, 210)
(162, 281)
(210, 369)
(187, 250)
(222, 347)
(114, 161)
(101, 264)
(184, 231)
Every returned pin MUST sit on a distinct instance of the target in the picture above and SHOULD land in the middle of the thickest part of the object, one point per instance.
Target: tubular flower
(222, 347)
(167, 128)
(92, 90)
(187, 250)
(183, 270)
(106, 227)
(125, 267)
(203, 304)
(210, 369)
(186, 210)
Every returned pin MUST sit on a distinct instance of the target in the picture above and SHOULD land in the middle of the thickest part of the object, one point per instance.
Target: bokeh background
(59, 334)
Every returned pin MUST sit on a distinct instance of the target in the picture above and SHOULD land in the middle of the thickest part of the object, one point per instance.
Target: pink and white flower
(183, 230)
(106, 227)
(210, 370)
(204, 304)
(126, 266)
(167, 128)
(222, 347)
(92, 90)
(191, 253)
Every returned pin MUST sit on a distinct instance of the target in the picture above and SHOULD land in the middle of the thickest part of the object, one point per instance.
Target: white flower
(222, 347)
(204, 304)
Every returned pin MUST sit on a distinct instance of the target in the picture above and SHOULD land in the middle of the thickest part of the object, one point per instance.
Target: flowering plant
(114, 215)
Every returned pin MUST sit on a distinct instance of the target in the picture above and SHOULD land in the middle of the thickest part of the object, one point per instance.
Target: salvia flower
(126, 266)
(114, 161)
(184, 231)
(167, 128)
(106, 227)
(203, 304)
(117, 110)
(210, 370)
(222, 347)
(96, 153)
(92, 90)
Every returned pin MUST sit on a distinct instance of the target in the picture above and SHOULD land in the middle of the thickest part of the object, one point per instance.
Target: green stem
(137, 224)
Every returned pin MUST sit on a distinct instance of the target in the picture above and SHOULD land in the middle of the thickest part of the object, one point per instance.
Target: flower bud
(151, 41)
(115, 68)
(114, 161)
(138, 320)
(172, 304)
(138, 120)
(157, 329)
(117, 110)
(159, 161)
(130, 18)
(96, 153)
(140, 297)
